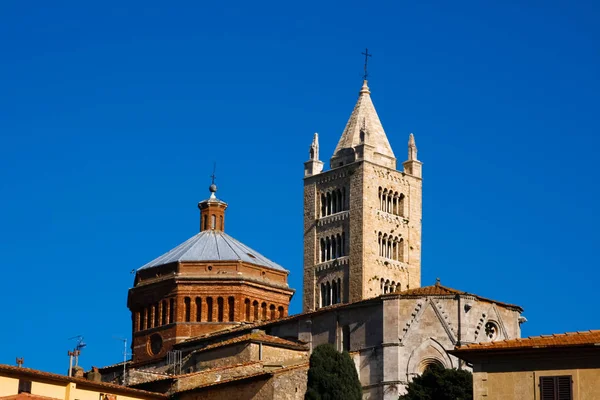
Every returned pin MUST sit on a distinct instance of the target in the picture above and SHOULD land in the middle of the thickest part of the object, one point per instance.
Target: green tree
(439, 383)
(332, 376)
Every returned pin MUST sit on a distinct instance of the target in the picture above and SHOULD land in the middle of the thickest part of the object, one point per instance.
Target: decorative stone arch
(429, 352)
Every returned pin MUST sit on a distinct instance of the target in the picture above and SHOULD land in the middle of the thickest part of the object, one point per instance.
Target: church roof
(364, 118)
(439, 290)
(213, 245)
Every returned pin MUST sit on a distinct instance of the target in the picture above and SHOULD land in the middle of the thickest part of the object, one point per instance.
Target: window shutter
(556, 388)
(564, 388)
(24, 386)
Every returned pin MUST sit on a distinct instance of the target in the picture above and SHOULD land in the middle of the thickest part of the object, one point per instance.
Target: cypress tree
(332, 375)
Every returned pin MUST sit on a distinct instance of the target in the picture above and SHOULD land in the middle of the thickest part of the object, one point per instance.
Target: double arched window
(390, 246)
(391, 201)
(333, 247)
(333, 202)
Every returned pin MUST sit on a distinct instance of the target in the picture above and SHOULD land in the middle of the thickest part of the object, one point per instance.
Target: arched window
(401, 205)
(333, 248)
(323, 250)
(263, 309)
(328, 209)
(156, 315)
(272, 310)
(328, 246)
(386, 288)
(205, 222)
(328, 295)
(198, 309)
(343, 244)
(164, 312)
(220, 307)
(380, 243)
(344, 202)
(150, 317)
(392, 287)
(281, 312)
(334, 202)
(323, 205)
(333, 291)
(382, 286)
(255, 307)
(171, 311)
(213, 221)
(339, 291)
(247, 309)
(401, 250)
(221, 223)
(209, 309)
(323, 298)
(187, 305)
(143, 319)
(231, 308)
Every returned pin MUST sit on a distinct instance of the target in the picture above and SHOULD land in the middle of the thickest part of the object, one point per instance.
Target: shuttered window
(24, 386)
(556, 388)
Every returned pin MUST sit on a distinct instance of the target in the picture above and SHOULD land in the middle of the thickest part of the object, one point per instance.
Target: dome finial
(213, 188)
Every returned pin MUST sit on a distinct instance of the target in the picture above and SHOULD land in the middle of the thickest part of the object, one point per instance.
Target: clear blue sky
(111, 116)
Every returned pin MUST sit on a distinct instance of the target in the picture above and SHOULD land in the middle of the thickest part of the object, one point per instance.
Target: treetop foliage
(332, 376)
(439, 383)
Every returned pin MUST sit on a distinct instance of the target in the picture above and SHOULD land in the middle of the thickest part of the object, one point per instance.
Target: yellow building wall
(8, 386)
(524, 385)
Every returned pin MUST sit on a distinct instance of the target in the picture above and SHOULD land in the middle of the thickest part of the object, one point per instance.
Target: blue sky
(112, 115)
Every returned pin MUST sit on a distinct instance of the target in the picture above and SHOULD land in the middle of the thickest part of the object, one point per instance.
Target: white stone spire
(412, 166)
(412, 148)
(364, 137)
(313, 166)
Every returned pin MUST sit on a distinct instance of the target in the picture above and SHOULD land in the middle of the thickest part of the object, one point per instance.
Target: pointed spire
(363, 136)
(413, 166)
(412, 148)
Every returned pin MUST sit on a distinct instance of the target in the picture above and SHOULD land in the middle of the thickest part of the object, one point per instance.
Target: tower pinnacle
(412, 148)
(413, 166)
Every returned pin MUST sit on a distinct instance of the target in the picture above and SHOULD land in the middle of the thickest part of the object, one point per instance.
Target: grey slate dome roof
(213, 245)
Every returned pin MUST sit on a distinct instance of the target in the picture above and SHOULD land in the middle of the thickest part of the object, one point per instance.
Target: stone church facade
(210, 317)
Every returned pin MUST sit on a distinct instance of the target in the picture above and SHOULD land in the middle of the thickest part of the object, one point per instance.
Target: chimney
(94, 375)
(77, 372)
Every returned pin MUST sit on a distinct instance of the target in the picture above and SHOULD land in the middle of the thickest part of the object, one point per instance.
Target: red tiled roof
(257, 337)
(439, 290)
(569, 339)
(228, 380)
(27, 396)
(34, 373)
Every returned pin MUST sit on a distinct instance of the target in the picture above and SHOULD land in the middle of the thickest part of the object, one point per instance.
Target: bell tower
(362, 217)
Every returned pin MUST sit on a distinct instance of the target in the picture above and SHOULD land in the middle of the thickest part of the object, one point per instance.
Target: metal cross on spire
(213, 176)
(367, 55)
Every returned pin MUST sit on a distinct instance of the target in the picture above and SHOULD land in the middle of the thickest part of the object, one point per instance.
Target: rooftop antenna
(76, 352)
(125, 354)
(20, 361)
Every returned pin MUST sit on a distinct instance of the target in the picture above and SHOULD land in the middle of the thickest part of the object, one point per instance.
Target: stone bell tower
(362, 217)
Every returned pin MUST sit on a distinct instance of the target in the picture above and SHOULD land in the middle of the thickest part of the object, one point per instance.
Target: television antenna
(76, 352)
(125, 354)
